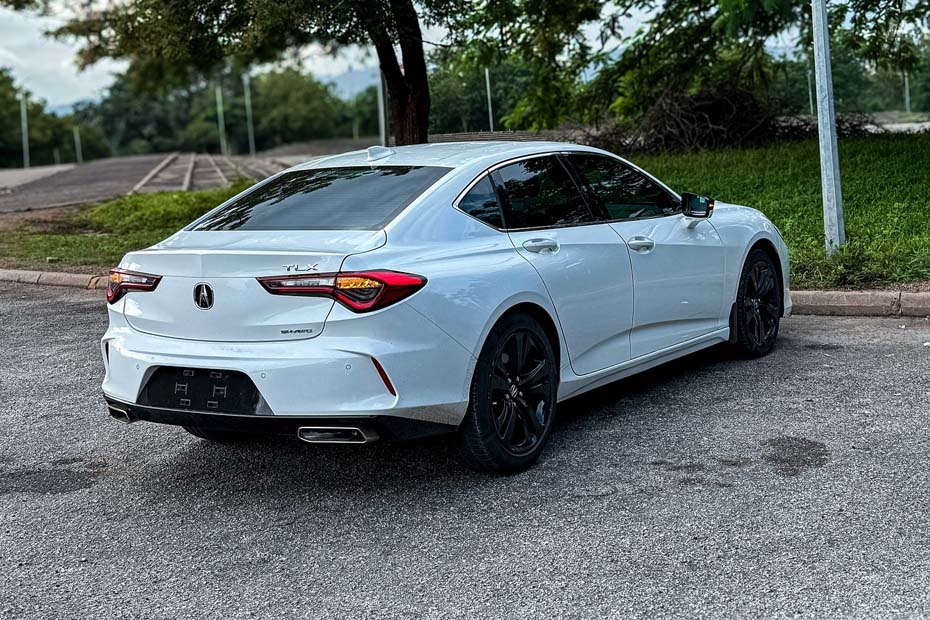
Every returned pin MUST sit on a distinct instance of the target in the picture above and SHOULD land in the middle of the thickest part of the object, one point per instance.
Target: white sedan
(467, 288)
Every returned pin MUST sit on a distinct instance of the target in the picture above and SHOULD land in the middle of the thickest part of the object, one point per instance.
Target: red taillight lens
(359, 291)
(122, 281)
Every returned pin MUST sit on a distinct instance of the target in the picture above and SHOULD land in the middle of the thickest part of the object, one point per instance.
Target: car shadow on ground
(288, 467)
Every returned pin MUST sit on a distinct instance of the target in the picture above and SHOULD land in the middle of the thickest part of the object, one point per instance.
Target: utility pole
(487, 84)
(907, 94)
(833, 221)
(221, 120)
(382, 110)
(24, 127)
(78, 153)
(247, 86)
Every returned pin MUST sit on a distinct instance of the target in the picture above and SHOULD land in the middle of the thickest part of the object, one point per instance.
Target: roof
(449, 154)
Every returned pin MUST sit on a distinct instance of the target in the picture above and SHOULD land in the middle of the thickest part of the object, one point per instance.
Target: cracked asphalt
(791, 486)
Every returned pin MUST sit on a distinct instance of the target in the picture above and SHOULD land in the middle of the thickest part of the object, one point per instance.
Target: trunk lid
(229, 262)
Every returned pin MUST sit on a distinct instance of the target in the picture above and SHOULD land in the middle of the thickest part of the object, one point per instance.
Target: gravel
(794, 485)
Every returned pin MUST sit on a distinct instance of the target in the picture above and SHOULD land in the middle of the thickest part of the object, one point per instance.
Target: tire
(758, 305)
(219, 436)
(512, 401)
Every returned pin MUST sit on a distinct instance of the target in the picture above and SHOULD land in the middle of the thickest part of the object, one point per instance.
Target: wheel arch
(541, 316)
(769, 248)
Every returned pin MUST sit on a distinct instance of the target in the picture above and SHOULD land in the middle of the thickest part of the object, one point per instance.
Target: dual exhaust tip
(310, 434)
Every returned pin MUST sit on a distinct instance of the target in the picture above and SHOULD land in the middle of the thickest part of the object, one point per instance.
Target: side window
(623, 192)
(481, 202)
(540, 192)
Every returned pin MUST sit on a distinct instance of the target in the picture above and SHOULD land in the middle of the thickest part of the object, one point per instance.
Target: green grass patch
(101, 235)
(886, 194)
(886, 188)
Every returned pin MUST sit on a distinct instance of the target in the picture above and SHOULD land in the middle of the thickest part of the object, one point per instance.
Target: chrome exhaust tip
(336, 434)
(121, 414)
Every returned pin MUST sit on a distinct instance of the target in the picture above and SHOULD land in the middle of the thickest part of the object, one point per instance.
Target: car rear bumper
(424, 375)
(391, 428)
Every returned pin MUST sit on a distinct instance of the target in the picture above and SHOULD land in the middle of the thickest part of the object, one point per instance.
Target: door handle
(541, 246)
(641, 244)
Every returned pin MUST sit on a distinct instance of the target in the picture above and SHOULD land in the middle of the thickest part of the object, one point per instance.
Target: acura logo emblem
(203, 296)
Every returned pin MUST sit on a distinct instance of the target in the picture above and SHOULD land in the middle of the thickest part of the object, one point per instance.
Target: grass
(886, 194)
(886, 188)
(101, 235)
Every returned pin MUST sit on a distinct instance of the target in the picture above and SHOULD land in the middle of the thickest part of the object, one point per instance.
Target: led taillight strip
(121, 281)
(359, 291)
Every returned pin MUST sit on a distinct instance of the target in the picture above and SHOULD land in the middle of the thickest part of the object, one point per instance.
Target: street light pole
(24, 127)
(78, 154)
(382, 110)
(221, 120)
(247, 86)
(833, 220)
(907, 94)
(487, 84)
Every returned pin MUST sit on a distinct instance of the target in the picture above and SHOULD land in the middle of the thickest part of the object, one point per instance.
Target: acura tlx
(446, 288)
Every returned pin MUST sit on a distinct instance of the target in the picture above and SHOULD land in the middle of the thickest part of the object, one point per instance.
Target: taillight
(359, 291)
(122, 281)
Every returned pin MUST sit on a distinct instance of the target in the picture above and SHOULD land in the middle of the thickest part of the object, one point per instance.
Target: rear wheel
(513, 395)
(758, 305)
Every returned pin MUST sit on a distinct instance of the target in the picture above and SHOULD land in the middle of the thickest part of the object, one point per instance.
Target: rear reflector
(359, 291)
(384, 377)
(122, 281)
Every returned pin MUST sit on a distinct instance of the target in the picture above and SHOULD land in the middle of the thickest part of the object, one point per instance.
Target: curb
(53, 278)
(824, 303)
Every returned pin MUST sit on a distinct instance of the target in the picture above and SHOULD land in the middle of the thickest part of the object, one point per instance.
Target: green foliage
(47, 133)
(459, 93)
(288, 105)
(885, 179)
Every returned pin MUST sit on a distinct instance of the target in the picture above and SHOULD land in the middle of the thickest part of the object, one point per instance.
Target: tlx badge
(299, 267)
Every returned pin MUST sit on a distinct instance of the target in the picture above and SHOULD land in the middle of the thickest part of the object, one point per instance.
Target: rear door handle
(641, 244)
(541, 246)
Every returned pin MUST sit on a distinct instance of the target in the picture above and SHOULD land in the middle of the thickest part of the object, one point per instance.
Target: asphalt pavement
(791, 486)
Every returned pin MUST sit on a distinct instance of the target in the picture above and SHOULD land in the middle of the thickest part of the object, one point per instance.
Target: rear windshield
(364, 198)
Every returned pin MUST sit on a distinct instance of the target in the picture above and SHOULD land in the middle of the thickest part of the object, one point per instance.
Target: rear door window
(350, 198)
(539, 193)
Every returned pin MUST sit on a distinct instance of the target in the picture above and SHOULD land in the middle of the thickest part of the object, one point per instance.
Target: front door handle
(641, 244)
(541, 246)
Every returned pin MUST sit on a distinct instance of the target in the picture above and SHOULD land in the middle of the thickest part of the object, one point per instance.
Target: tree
(50, 136)
(167, 39)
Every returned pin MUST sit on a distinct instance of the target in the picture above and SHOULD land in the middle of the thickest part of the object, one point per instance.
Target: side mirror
(698, 207)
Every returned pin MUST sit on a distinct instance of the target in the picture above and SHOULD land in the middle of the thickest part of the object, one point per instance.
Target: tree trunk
(408, 88)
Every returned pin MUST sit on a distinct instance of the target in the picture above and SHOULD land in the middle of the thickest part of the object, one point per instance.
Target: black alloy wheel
(513, 396)
(758, 305)
(520, 382)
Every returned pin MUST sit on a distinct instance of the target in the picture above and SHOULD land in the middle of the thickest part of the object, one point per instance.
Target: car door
(677, 262)
(585, 267)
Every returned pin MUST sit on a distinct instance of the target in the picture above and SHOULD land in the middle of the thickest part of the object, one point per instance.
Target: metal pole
(382, 110)
(907, 94)
(220, 119)
(487, 84)
(833, 221)
(78, 153)
(247, 86)
(810, 92)
(24, 128)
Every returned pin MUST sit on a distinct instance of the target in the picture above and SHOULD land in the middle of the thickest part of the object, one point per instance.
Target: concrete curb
(53, 278)
(825, 303)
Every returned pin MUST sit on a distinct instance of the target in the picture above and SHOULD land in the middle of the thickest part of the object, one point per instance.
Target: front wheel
(758, 305)
(513, 396)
